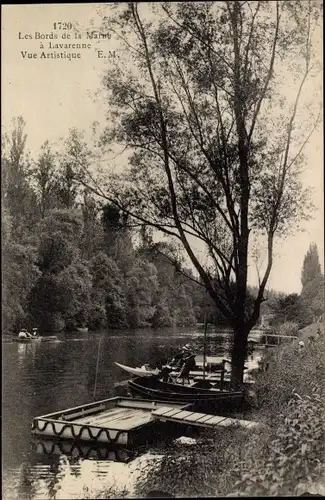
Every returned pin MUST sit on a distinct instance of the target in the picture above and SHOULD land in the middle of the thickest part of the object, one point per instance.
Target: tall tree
(18, 196)
(208, 164)
(117, 236)
(44, 177)
(311, 266)
(18, 277)
(312, 279)
(108, 308)
(141, 287)
(60, 297)
(173, 300)
(92, 230)
(288, 308)
(73, 160)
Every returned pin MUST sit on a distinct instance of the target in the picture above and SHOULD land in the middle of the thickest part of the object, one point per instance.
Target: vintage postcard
(162, 249)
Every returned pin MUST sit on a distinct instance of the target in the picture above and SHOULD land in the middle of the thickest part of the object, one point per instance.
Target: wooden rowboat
(153, 388)
(211, 366)
(138, 372)
(26, 340)
(37, 338)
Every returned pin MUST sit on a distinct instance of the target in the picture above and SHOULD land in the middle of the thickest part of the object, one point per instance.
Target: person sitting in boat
(35, 332)
(146, 367)
(165, 372)
(24, 334)
(178, 359)
(188, 366)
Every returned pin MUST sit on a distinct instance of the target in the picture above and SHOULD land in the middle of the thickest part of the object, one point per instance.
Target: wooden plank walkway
(199, 419)
(117, 418)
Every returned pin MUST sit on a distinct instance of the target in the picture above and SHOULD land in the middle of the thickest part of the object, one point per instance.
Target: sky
(54, 95)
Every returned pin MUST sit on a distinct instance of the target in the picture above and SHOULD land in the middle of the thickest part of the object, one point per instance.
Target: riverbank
(285, 457)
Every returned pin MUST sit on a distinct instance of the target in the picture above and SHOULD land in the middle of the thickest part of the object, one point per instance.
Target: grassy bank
(285, 457)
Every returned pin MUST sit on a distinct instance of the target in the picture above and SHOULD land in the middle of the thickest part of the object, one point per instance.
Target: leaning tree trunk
(238, 357)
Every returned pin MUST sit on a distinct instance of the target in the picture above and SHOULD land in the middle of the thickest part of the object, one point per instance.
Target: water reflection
(44, 377)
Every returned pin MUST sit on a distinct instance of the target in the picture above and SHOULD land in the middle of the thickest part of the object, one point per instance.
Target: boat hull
(211, 367)
(48, 338)
(26, 341)
(161, 391)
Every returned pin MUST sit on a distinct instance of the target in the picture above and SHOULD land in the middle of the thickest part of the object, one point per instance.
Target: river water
(44, 377)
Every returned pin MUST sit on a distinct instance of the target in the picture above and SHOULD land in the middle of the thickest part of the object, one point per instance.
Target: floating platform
(183, 416)
(96, 430)
(114, 421)
(88, 451)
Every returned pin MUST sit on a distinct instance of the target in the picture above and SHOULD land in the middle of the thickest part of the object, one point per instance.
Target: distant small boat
(26, 339)
(37, 338)
(138, 372)
(82, 329)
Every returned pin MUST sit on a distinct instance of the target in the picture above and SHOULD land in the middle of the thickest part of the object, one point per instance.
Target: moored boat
(153, 388)
(213, 364)
(139, 372)
(82, 329)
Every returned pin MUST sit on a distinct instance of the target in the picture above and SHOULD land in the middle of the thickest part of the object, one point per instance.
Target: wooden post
(204, 344)
(97, 366)
(222, 378)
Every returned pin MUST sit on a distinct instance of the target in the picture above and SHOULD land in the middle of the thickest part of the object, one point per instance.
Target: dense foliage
(70, 262)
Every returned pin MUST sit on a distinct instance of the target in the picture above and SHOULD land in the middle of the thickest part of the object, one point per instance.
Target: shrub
(186, 470)
(289, 369)
(288, 328)
(294, 453)
(113, 491)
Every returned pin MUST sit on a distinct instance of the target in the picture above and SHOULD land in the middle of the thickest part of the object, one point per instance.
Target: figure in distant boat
(35, 332)
(24, 334)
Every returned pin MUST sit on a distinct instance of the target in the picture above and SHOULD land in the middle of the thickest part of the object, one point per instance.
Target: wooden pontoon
(114, 421)
(187, 417)
(88, 451)
(97, 430)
